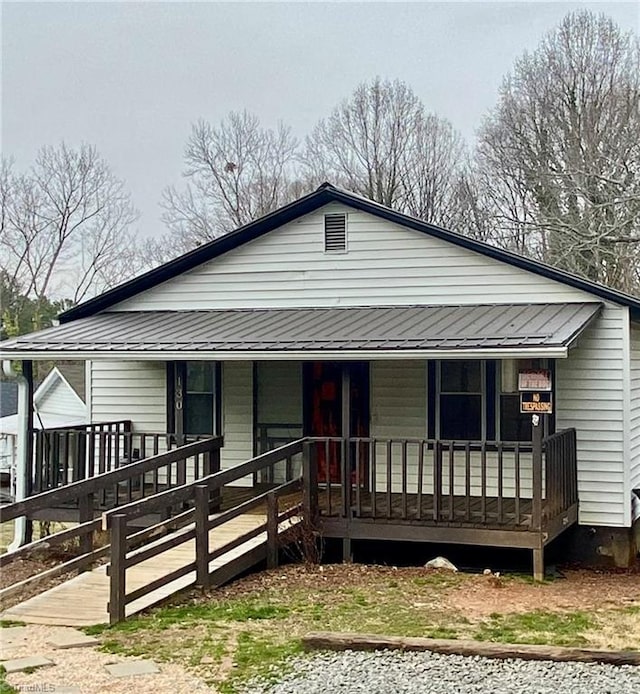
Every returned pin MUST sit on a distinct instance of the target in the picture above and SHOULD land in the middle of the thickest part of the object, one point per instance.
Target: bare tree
(560, 155)
(363, 143)
(66, 225)
(382, 144)
(435, 173)
(236, 172)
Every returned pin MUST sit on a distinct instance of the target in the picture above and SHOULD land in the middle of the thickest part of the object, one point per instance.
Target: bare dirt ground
(581, 589)
(473, 594)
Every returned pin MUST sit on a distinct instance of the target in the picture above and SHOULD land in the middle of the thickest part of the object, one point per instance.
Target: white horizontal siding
(279, 402)
(398, 399)
(279, 392)
(237, 416)
(386, 264)
(134, 390)
(635, 412)
(590, 396)
(399, 411)
(61, 399)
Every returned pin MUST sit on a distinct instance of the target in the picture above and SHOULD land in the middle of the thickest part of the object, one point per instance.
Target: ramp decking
(82, 600)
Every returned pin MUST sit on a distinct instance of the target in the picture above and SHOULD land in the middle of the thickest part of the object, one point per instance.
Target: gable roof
(325, 194)
(53, 378)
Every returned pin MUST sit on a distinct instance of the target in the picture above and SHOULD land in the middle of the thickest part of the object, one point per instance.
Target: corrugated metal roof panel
(318, 329)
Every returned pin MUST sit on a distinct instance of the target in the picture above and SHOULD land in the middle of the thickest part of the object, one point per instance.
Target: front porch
(493, 493)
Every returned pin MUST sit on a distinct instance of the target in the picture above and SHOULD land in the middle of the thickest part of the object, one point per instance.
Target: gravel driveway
(386, 672)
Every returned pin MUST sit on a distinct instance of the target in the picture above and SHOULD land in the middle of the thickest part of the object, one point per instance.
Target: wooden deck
(82, 600)
(474, 511)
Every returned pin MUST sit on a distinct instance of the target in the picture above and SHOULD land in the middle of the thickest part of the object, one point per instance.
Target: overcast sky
(130, 78)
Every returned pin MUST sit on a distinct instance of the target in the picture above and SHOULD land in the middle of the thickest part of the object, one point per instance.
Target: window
(335, 233)
(194, 402)
(461, 400)
(472, 400)
(514, 426)
(200, 398)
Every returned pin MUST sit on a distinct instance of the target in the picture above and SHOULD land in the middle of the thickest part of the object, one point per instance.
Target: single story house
(340, 319)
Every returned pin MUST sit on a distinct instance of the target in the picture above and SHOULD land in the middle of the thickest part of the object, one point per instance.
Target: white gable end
(61, 399)
(385, 264)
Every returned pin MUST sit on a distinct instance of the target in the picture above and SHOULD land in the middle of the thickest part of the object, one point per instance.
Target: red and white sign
(534, 380)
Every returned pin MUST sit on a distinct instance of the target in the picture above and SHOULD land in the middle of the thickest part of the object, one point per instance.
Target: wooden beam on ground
(333, 641)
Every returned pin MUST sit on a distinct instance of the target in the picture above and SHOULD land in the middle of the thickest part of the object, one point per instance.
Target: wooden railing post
(536, 514)
(117, 568)
(437, 480)
(310, 482)
(272, 530)
(202, 535)
(536, 510)
(216, 495)
(85, 514)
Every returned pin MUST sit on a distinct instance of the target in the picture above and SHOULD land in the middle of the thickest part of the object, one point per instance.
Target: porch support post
(346, 432)
(536, 511)
(347, 556)
(346, 467)
(310, 483)
(22, 529)
(538, 563)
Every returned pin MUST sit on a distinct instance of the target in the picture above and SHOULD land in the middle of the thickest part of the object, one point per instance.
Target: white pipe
(22, 464)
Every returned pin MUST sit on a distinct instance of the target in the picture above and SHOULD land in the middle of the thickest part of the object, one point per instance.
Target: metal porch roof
(400, 329)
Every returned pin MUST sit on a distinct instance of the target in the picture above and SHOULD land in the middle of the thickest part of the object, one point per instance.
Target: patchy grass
(5, 687)
(8, 623)
(258, 656)
(250, 628)
(537, 627)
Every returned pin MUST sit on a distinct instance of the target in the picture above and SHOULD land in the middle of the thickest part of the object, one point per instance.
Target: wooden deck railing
(561, 472)
(199, 493)
(139, 479)
(490, 483)
(65, 455)
(267, 438)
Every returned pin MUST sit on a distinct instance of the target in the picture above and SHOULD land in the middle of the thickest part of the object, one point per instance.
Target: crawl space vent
(335, 232)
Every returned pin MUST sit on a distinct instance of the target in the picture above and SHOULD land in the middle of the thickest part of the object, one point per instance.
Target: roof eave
(551, 352)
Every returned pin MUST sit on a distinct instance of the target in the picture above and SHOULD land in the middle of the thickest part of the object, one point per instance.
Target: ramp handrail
(200, 492)
(215, 481)
(78, 490)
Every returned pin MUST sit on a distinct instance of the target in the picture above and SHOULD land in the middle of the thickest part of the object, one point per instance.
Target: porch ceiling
(404, 332)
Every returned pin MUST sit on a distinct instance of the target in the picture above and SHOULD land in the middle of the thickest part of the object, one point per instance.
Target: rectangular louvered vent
(335, 232)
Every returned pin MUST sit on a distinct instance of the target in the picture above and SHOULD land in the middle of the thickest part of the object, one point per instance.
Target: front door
(323, 385)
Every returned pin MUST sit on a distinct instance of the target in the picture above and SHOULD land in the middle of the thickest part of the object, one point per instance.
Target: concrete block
(22, 664)
(71, 639)
(132, 667)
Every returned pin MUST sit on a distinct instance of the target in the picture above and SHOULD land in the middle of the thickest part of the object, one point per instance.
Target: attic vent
(335, 232)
